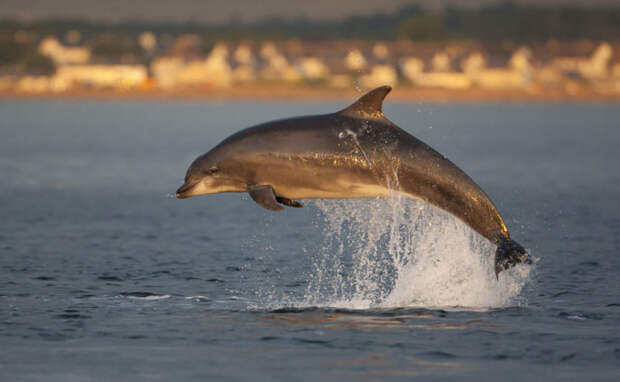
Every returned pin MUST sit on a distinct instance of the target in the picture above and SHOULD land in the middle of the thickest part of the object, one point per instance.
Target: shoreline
(300, 93)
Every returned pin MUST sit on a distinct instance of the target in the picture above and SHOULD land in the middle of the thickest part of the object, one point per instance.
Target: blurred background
(104, 275)
(481, 49)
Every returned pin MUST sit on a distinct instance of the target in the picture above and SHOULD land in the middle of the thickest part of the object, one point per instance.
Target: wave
(398, 252)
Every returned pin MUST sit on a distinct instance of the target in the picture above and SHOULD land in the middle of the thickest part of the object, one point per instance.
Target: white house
(63, 55)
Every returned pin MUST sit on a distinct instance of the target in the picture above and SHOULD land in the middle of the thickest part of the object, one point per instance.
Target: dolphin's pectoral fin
(265, 197)
(289, 202)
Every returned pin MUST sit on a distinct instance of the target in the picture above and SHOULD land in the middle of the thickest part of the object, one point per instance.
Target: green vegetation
(500, 22)
(24, 56)
(423, 28)
(111, 46)
(508, 21)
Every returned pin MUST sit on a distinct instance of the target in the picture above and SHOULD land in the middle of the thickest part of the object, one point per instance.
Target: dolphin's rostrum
(354, 153)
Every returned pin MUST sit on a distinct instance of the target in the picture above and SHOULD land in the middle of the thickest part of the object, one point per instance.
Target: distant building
(341, 81)
(244, 74)
(40, 84)
(269, 50)
(313, 68)
(446, 80)
(441, 62)
(63, 55)
(412, 68)
(355, 60)
(440, 76)
(180, 62)
(474, 63)
(218, 70)
(381, 51)
(276, 67)
(243, 55)
(170, 72)
(517, 74)
(549, 77)
(591, 68)
(521, 60)
(243, 64)
(380, 75)
(101, 76)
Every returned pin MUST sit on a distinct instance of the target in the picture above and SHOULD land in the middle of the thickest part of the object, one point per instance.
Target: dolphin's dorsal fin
(369, 105)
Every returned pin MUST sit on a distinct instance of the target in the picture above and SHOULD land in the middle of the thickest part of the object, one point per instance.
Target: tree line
(488, 24)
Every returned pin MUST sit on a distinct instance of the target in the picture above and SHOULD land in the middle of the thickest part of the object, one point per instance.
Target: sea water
(104, 276)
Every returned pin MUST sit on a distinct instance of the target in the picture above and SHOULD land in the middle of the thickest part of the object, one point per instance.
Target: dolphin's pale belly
(307, 179)
(340, 178)
(303, 177)
(349, 190)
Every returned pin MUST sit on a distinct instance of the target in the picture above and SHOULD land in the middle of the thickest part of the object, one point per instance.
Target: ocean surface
(105, 276)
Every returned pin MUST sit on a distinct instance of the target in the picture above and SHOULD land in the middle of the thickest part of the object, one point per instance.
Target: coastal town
(181, 64)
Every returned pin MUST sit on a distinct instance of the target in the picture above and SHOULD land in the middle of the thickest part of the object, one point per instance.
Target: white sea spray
(397, 252)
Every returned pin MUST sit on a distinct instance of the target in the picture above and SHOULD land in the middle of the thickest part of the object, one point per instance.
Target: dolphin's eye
(212, 170)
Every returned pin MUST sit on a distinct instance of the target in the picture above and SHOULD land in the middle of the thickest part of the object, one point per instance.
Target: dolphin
(353, 153)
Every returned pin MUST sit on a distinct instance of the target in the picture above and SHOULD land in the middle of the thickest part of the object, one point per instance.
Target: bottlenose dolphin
(354, 153)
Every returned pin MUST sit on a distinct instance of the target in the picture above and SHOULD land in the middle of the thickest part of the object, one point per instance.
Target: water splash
(397, 252)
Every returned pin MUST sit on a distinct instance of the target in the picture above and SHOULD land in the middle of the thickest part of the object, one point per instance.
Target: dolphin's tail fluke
(508, 254)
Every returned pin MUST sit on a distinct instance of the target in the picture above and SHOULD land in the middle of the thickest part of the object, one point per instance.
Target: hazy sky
(223, 10)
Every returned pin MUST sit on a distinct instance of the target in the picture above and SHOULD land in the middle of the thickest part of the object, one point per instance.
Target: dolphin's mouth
(184, 191)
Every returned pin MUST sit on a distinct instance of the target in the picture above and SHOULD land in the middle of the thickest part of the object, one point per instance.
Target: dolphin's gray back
(424, 173)
(292, 135)
(305, 157)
